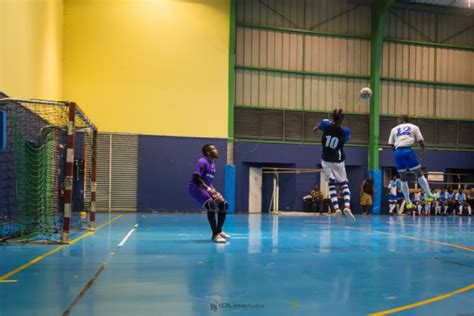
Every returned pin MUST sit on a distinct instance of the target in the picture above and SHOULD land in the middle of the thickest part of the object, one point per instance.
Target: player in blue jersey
(393, 186)
(402, 138)
(451, 200)
(333, 139)
(461, 199)
(441, 202)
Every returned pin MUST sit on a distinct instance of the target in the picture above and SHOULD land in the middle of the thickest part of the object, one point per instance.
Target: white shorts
(335, 171)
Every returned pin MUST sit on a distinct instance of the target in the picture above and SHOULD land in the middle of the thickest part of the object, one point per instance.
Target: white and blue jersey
(451, 196)
(393, 187)
(461, 198)
(402, 137)
(442, 196)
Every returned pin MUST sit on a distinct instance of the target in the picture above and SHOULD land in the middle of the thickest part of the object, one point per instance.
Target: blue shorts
(405, 159)
(392, 198)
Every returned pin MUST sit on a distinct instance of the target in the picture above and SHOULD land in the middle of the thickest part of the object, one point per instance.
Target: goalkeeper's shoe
(224, 235)
(219, 239)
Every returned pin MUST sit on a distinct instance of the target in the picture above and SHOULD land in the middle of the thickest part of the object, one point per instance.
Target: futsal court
(236, 157)
(272, 266)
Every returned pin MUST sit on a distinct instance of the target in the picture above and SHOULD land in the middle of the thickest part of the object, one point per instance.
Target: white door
(255, 190)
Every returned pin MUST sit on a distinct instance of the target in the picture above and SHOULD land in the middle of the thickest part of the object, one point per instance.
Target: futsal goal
(276, 173)
(47, 170)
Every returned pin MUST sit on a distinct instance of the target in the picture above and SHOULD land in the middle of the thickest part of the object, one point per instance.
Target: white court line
(124, 240)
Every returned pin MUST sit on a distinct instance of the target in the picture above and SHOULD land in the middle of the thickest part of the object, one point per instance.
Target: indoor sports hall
(236, 157)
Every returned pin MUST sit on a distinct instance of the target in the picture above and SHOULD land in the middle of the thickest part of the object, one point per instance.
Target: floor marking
(471, 249)
(102, 267)
(124, 240)
(421, 303)
(428, 301)
(83, 291)
(37, 259)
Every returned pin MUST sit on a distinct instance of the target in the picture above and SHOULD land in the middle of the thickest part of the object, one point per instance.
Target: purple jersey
(206, 169)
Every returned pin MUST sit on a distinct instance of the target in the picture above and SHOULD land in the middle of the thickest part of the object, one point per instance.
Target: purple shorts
(199, 194)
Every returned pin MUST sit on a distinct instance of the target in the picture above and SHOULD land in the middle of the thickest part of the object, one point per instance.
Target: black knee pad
(403, 176)
(332, 182)
(223, 207)
(210, 205)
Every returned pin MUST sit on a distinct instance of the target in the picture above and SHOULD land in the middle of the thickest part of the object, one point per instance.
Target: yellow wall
(31, 48)
(149, 66)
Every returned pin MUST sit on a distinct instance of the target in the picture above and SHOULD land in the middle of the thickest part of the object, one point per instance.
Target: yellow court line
(37, 259)
(441, 243)
(8, 281)
(416, 238)
(428, 301)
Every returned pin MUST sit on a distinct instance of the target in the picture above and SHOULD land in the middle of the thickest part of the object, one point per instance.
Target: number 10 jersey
(333, 140)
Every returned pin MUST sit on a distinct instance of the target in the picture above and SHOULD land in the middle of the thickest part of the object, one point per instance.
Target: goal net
(47, 170)
(304, 181)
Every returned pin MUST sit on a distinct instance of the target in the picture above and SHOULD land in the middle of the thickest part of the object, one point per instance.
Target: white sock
(333, 196)
(347, 195)
(424, 185)
(406, 191)
(402, 208)
(392, 206)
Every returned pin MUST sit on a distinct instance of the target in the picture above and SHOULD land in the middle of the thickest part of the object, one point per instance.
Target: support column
(379, 10)
(229, 190)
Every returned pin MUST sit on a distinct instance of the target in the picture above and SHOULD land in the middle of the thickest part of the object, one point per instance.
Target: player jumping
(332, 160)
(402, 138)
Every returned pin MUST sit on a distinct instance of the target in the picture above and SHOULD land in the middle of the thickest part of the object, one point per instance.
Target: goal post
(47, 170)
(274, 207)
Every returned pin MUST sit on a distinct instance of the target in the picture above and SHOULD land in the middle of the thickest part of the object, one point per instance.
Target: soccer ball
(365, 93)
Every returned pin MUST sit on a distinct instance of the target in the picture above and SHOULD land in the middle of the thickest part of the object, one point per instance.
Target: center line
(124, 240)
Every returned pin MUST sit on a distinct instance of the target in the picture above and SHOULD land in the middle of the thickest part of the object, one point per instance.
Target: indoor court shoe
(224, 235)
(219, 239)
(349, 215)
(338, 215)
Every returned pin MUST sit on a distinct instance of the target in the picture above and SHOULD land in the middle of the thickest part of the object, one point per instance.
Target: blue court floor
(273, 265)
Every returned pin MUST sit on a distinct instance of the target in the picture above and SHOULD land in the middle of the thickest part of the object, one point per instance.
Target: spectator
(367, 191)
(470, 198)
(461, 199)
(314, 200)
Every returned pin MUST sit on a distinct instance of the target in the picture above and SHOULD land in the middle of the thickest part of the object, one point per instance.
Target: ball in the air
(83, 215)
(365, 93)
